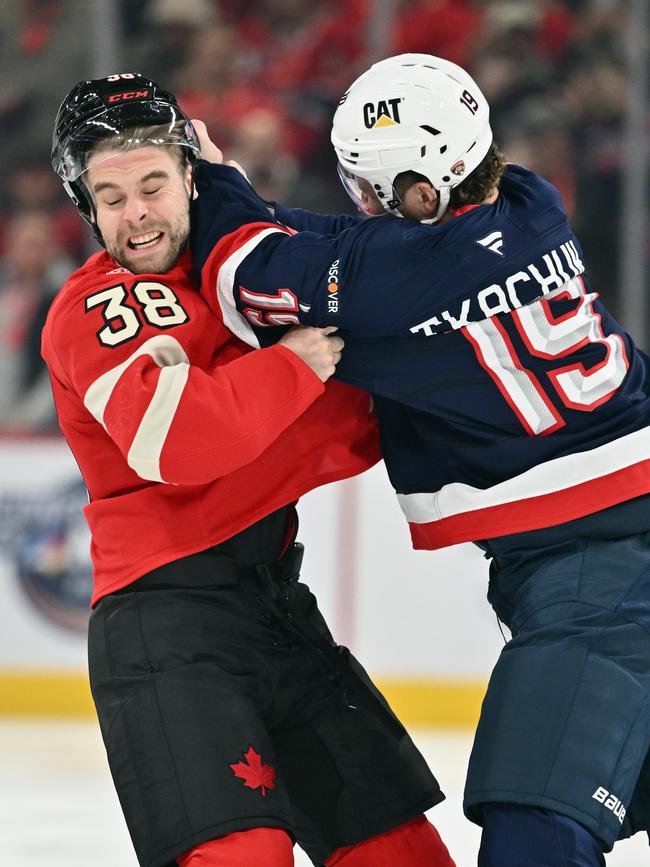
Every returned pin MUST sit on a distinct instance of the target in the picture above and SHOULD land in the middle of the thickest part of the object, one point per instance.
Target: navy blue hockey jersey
(508, 398)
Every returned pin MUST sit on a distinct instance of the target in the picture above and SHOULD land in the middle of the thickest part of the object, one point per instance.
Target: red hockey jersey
(184, 436)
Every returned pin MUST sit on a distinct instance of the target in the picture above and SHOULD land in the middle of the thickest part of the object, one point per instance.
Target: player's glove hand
(320, 348)
(209, 150)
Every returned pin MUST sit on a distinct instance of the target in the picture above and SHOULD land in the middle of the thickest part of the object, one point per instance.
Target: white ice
(59, 808)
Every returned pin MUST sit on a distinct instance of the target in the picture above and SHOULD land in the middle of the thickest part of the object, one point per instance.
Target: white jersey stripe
(165, 351)
(225, 288)
(148, 442)
(574, 253)
(550, 477)
(147, 445)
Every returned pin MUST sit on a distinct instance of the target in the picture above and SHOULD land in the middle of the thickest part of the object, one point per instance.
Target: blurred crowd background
(266, 76)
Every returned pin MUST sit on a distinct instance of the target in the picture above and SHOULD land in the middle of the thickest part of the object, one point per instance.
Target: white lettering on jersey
(561, 265)
(456, 323)
(552, 280)
(499, 304)
(519, 277)
(333, 287)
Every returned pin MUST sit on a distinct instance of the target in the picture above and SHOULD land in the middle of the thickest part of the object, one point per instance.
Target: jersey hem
(160, 558)
(534, 513)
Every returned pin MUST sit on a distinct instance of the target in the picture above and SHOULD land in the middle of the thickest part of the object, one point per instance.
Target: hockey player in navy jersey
(513, 412)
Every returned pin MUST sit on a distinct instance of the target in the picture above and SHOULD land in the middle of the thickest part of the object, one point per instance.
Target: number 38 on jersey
(150, 302)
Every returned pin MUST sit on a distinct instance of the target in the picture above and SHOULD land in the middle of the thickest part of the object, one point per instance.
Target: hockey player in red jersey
(514, 413)
(234, 725)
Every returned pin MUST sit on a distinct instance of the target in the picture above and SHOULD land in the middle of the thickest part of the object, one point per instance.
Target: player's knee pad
(518, 836)
(413, 844)
(269, 846)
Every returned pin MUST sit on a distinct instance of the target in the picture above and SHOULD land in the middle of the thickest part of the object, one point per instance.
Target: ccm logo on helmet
(131, 94)
(385, 112)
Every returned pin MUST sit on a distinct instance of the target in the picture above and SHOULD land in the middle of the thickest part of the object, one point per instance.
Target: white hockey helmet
(412, 112)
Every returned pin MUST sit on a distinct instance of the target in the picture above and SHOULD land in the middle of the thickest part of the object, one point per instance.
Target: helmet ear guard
(97, 112)
(412, 112)
(82, 200)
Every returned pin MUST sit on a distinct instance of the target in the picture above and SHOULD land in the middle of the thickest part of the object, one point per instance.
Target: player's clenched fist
(320, 348)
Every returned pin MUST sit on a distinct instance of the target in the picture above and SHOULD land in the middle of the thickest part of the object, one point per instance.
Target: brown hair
(143, 135)
(473, 190)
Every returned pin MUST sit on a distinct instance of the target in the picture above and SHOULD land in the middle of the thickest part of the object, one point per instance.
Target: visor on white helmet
(374, 199)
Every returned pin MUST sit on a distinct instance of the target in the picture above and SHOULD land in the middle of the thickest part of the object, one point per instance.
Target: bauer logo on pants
(611, 802)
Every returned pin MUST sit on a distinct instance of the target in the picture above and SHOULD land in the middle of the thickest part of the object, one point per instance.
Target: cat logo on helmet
(383, 113)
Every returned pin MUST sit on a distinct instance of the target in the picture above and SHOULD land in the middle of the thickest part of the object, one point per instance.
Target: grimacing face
(142, 202)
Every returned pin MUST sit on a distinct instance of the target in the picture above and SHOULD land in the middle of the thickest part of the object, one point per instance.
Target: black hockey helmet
(94, 111)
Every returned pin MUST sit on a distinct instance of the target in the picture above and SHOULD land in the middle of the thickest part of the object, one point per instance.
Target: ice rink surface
(59, 808)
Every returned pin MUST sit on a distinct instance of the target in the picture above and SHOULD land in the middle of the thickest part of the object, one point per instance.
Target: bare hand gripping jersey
(508, 398)
(183, 435)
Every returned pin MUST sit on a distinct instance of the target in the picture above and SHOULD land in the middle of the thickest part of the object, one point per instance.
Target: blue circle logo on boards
(50, 546)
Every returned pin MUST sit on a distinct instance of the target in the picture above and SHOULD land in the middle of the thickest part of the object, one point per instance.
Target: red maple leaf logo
(255, 774)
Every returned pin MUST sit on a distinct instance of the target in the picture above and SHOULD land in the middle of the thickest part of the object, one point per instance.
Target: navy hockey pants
(516, 836)
(565, 724)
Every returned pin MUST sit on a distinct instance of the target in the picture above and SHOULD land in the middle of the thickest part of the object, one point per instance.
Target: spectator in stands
(31, 271)
(258, 143)
(164, 42)
(30, 187)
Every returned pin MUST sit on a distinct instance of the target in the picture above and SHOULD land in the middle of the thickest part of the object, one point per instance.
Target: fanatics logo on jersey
(254, 772)
(493, 242)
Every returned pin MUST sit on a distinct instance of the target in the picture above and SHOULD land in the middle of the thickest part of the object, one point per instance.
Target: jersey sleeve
(380, 277)
(173, 420)
(258, 273)
(250, 275)
(309, 221)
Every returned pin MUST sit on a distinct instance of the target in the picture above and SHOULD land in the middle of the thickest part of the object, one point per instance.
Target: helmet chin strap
(444, 194)
(393, 205)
